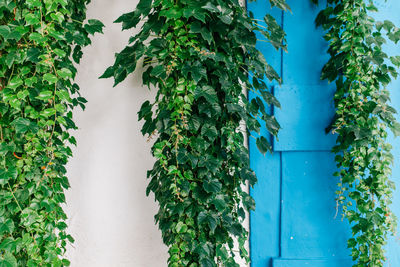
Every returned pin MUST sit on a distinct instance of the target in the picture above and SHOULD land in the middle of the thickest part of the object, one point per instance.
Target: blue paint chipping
(294, 224)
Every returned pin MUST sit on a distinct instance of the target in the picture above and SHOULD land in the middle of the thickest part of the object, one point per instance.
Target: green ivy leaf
(212, 186)
(209, 131)
(206, 263)
(37, 37)
(45, 95)
(172, 13)
(34, 3)
(15, 82)
(94, 26)
(108, 73)
(159, 72)
(181, 228)
(270, 98)
(219, 202)
(129, 20)
(263, 145)
(6, 227)
(271, 124)
(8, 260)
(50, 78)
(395, 128)
(8, 244)
(23, 125)
(64, 73)
(48, 112)
(281, 4)
(9, 34)
(33, 54)
(4, 177)
(31, 19)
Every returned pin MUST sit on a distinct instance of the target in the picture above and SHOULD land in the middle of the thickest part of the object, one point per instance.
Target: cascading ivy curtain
(197, 54)
(362, 71)
(39, 43)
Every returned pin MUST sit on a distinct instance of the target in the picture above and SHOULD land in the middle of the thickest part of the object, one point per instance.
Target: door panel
(265, 231)
(307, 105)
(265, 223)
(310, 263)
(310, 226)
(306, 111)
(306, 49)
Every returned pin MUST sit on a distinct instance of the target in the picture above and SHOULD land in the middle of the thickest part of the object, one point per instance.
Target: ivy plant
(362, 70)
(199, 55)
(39, 41)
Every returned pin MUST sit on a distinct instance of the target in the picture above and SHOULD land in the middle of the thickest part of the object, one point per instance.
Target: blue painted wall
(295, 222)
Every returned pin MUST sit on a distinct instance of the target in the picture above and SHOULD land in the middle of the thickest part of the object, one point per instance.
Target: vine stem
(1, 132)
(261, 26)
(16, 200)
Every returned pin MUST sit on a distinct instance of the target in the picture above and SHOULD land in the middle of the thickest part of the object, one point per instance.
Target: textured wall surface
(109, 215)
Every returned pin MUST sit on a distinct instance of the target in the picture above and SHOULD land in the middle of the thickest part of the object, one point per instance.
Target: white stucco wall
(110, 217)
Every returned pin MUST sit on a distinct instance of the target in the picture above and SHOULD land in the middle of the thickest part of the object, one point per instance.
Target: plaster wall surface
(110, 216)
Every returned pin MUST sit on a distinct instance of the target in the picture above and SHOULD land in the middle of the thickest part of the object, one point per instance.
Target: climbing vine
(198, 55)
(39, 40)
(362, 71)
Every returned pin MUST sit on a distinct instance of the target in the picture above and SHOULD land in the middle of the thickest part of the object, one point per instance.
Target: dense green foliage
(37, 93)
(362, 70)
(198, 54)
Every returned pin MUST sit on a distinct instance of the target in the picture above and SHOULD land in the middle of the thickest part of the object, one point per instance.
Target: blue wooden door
(296, 222)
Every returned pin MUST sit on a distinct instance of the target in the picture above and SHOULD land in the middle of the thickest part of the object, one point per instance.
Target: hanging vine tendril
(37, 93)
(198, 54)
(362, 71)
